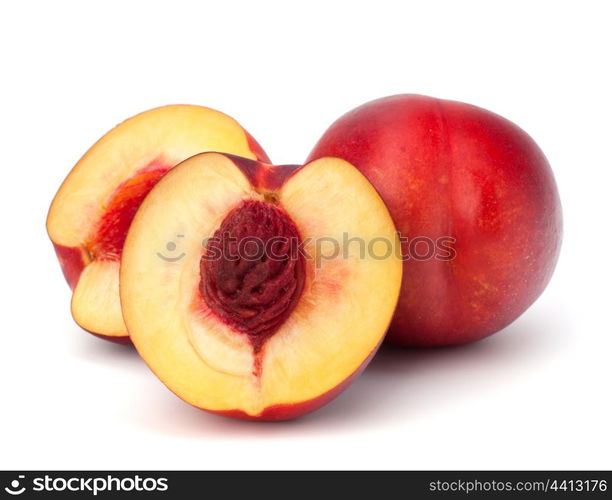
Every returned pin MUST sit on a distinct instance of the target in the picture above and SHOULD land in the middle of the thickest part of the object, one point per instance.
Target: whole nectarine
(456, 173)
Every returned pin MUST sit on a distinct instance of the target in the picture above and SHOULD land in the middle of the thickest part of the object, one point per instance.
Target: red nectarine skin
(125, 340)
(263, 176)
(71, 261)
(256, 149)
(252, 273)
(446, 168)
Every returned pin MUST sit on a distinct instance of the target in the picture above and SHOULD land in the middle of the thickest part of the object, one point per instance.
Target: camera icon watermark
(171, 248)
(16, 488)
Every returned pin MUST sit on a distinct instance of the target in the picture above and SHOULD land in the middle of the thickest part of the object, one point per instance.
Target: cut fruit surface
(93, 209)
(285, 287)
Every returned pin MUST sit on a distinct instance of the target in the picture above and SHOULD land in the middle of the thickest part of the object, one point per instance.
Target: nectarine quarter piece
(278, 287)
(475, 201)
(90, 215)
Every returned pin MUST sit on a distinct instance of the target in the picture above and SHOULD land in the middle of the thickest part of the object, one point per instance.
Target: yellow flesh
(169, 135)
(341, 317)
(91, 296)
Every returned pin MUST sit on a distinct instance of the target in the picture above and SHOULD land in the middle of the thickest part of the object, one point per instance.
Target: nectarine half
(90, 214)
(278, 290)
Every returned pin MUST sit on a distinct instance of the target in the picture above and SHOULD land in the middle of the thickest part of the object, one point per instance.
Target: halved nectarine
(90, 214)
(278, 289)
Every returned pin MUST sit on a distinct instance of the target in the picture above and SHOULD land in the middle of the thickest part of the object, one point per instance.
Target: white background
(536, 395)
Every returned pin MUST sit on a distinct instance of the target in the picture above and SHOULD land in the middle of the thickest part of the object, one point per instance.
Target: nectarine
(449, 170)
(261, 311)
(90, 215)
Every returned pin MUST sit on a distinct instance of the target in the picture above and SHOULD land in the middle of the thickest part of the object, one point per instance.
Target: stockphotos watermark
(87, 485)
(325, 248)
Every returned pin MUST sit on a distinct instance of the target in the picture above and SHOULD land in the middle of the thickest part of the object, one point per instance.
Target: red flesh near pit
(109, 237)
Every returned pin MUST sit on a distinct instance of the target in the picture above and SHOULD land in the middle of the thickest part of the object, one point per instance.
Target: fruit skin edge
(256, 149)
(283, 412)
(72, 263)
(122, 340)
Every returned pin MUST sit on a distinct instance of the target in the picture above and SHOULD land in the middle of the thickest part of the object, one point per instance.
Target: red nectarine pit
(251, 273)
(111, 231)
